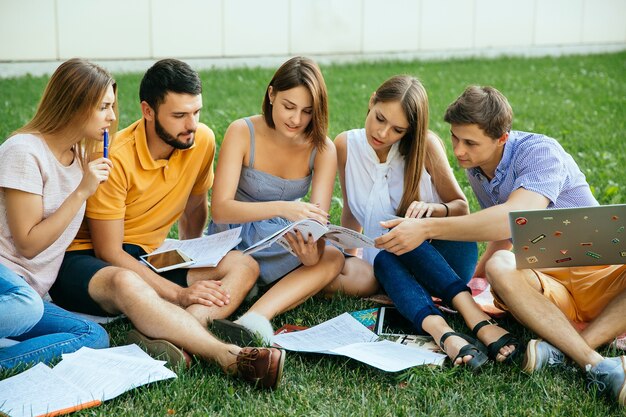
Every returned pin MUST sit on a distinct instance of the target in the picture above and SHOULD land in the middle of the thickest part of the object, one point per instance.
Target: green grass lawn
(579, 100)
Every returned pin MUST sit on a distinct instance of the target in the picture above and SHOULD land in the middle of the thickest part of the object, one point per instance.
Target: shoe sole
(621, 398)
(160, 349)
(233, 332)
(279, 375)
(530, 359)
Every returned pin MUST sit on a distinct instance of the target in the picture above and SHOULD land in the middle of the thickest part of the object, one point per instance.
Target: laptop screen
(565, 237)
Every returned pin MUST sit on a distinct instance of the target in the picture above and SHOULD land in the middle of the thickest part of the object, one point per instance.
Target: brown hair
(483, 106)
(72, 94)
(300, 71)
(410, 93)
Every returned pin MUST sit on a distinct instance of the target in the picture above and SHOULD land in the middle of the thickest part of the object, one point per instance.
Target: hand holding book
(343, 237)
(307, 249)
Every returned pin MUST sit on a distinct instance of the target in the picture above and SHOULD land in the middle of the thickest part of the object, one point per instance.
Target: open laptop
(580, 236)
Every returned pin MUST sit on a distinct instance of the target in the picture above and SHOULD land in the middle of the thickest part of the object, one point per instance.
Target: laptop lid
(565, 237)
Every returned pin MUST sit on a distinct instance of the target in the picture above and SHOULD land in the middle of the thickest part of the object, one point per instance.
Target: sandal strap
(480, 325)
(493, 349)
(469, 350)
(504, 340)
(470, 340)
(473, 348)
(443, 338)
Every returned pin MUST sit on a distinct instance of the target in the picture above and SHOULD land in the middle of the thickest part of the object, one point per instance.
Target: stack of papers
(82, 379)
(344, 335)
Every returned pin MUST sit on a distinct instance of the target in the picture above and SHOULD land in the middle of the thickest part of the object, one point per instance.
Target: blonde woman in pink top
(45, 180)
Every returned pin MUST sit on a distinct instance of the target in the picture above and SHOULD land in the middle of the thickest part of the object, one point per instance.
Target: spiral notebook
(580, 236)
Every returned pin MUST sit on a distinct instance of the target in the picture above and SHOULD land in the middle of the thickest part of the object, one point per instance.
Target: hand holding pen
(105, 148)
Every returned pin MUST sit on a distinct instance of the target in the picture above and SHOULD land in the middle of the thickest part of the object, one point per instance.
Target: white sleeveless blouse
(374, 189)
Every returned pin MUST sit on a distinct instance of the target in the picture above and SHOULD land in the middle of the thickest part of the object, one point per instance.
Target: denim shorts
(71, 289)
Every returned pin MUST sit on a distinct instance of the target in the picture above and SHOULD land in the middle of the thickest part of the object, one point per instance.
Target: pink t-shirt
(27, 164)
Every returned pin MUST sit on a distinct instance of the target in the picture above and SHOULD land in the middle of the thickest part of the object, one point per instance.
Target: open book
(204, 251)
(341, 236)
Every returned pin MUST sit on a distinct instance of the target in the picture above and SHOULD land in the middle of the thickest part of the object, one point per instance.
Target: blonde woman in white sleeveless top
(395, 166)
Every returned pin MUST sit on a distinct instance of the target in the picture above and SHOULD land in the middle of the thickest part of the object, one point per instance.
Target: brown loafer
(160, 349)
(261, 366)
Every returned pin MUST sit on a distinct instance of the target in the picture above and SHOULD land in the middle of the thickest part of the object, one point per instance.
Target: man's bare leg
(120, 291)
(521, 292)
(608, 325)
(237, 273)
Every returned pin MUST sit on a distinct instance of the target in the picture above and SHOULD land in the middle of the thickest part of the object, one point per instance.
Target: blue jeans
(439, 268)
(20, 306)
(41, 340)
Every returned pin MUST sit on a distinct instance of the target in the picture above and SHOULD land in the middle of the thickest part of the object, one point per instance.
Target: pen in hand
(105, 149)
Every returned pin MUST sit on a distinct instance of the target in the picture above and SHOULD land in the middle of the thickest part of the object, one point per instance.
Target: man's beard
(171, 140)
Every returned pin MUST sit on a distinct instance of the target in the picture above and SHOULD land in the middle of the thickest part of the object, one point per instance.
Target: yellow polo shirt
(149, 195)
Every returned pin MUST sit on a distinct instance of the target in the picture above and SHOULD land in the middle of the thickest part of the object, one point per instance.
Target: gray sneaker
(608, 378)
(541, 354)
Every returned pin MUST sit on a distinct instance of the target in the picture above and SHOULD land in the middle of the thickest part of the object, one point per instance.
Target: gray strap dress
(258, 186)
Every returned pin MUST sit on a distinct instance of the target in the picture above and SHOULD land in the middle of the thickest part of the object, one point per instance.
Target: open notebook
(569, 237)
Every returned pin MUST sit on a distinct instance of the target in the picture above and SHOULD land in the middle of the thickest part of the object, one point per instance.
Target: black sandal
(505, 340)
(474, 348)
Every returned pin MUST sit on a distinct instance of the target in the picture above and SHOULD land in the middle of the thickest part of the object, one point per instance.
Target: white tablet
(165, 261)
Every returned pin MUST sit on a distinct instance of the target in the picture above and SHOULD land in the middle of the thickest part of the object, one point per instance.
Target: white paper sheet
(83, 376)
(107, 374)
(390, 356)
(206, 250)
(344, 335)
(323, 338)
(39, 390)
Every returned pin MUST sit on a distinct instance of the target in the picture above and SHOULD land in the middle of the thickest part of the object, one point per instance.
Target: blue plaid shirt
(536, 163)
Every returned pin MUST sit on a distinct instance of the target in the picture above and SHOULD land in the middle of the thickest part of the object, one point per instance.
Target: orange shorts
(581, 293)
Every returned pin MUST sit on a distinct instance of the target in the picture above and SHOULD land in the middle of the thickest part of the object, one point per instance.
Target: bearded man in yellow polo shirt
(162, 171)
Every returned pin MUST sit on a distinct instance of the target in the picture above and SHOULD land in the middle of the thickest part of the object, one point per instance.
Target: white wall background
(246, 31)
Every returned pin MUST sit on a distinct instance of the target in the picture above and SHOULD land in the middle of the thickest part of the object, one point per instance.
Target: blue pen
(105, 149)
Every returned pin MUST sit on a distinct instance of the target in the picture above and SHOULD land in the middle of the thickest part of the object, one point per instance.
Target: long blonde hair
(411, 95)
(72, 94)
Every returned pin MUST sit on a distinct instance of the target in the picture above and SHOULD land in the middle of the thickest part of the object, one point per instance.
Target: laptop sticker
(538, 238)
(569, 236)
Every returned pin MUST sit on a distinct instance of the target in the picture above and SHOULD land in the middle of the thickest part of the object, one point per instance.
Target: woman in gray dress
(267, 164)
